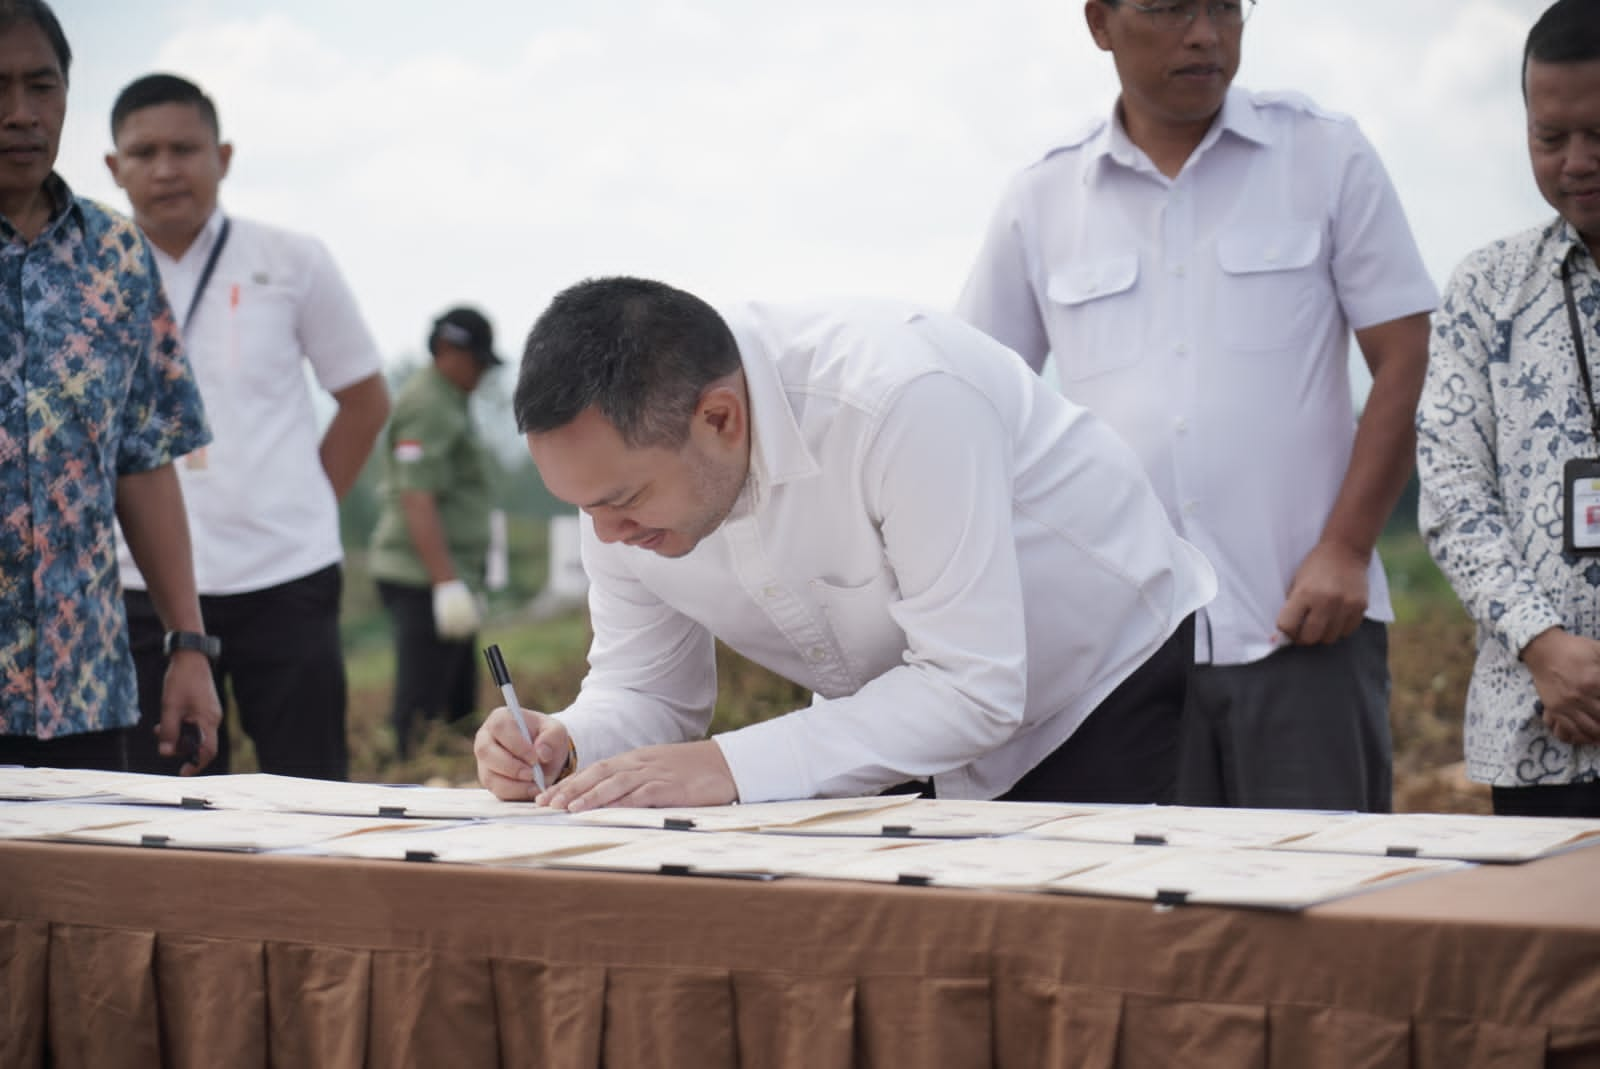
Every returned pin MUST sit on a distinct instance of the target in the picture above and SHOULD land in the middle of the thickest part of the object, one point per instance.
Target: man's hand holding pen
(507, 756)
(674, 774)
(516, 749)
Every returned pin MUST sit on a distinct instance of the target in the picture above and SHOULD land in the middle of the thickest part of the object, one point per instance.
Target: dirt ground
(1430, 661)
(1430, 658)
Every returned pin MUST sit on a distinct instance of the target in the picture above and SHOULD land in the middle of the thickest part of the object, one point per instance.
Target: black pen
(502, 679)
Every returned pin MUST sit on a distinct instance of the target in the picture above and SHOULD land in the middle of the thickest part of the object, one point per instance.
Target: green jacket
(430, 444)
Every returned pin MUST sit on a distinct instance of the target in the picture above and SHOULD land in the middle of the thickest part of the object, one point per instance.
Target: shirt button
(1181, 425)
(1272, 256)
(1177, 269)
(1188, 508)
(769, 592)
(816, 654)
(1181, 349)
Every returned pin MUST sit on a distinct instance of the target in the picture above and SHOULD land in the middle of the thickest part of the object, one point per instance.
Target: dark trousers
(1551, 800)
(104, 751)
(1127, 750)
(1304, 728)
(281, 664)
(434, 678)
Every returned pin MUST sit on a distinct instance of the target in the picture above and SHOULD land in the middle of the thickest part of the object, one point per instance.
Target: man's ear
(1095, 14)
(225, 153)
(722, 410)
(111, 165)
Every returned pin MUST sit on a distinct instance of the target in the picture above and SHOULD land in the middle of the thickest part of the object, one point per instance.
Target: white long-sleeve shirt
(958, 562)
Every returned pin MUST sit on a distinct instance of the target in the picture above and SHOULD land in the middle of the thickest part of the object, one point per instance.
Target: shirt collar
(1563, 242)
(63, 205)
(200, 247)
(778, 450)
(1111, 143)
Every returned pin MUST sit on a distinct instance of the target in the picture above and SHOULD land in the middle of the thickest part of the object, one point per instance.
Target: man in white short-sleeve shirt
(1194, 263)
(257, 304)
(969, 573)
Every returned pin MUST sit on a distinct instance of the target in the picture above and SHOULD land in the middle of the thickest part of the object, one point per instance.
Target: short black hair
(154, 89)
(638, 351)
(1567, 32)
(16, 12)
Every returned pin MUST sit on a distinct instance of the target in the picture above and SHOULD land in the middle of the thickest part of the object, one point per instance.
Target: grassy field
(1430, 656)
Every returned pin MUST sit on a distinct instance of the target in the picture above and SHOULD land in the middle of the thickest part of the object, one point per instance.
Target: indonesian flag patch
(408, 450)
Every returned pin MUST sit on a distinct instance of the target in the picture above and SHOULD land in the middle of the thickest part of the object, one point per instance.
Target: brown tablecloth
(127, 957)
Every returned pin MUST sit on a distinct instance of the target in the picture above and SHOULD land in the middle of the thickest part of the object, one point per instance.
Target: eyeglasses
(1178, 15)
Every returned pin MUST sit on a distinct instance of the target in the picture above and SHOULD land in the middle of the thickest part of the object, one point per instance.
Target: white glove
(455, 610)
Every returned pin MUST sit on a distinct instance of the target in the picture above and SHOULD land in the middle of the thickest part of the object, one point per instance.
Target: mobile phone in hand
(189, 742)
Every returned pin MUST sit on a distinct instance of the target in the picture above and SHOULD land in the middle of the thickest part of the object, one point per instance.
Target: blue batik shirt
(93, 386)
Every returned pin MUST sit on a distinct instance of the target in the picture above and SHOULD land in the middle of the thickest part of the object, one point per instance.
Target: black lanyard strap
(222, 239)
(1577, 343)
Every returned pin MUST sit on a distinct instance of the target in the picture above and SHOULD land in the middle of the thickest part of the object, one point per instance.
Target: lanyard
(222, 239)
(1577, 343)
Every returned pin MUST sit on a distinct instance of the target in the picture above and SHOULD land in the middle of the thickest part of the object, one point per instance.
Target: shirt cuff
(1523, 623)
(764, 765)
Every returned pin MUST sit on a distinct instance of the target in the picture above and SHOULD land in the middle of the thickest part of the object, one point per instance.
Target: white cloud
(496, 153)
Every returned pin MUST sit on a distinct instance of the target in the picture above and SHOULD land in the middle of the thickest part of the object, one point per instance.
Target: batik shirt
(1502, 412)
(93, 386)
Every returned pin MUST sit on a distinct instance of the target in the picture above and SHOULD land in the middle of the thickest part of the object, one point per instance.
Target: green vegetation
(1431, 652)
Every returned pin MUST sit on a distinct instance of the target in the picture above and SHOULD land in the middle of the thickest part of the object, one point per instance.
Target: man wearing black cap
(432, 537)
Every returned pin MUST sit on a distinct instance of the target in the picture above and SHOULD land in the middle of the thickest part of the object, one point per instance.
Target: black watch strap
(210, 645)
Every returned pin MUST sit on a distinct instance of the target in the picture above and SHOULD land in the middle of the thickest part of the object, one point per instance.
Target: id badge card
(1580, 482)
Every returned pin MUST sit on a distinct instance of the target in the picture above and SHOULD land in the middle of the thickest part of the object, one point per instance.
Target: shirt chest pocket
(1092, 312)
(263, 355)
(1267, 284)
(861, 626)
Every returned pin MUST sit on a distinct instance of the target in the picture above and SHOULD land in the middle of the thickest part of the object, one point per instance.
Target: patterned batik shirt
(93, 385)
(1504, 408)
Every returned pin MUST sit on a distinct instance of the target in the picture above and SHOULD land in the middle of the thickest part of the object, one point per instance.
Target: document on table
(732, 853)
(481, 842)
(996, 864)
(1462, 836)
(263, 792)
(213, 829)
(941, 818)
(754, 817)
(26, 784)
(1172, 825)
(49, 820)
(1277, 879)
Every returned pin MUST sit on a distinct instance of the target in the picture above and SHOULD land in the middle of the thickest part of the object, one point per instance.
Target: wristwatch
(173, 641)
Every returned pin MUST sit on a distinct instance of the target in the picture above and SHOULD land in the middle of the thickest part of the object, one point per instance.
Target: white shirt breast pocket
(264, 354)
(1265, 288)
(1093, 313)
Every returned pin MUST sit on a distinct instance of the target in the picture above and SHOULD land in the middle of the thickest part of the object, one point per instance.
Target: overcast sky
(493, 151)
